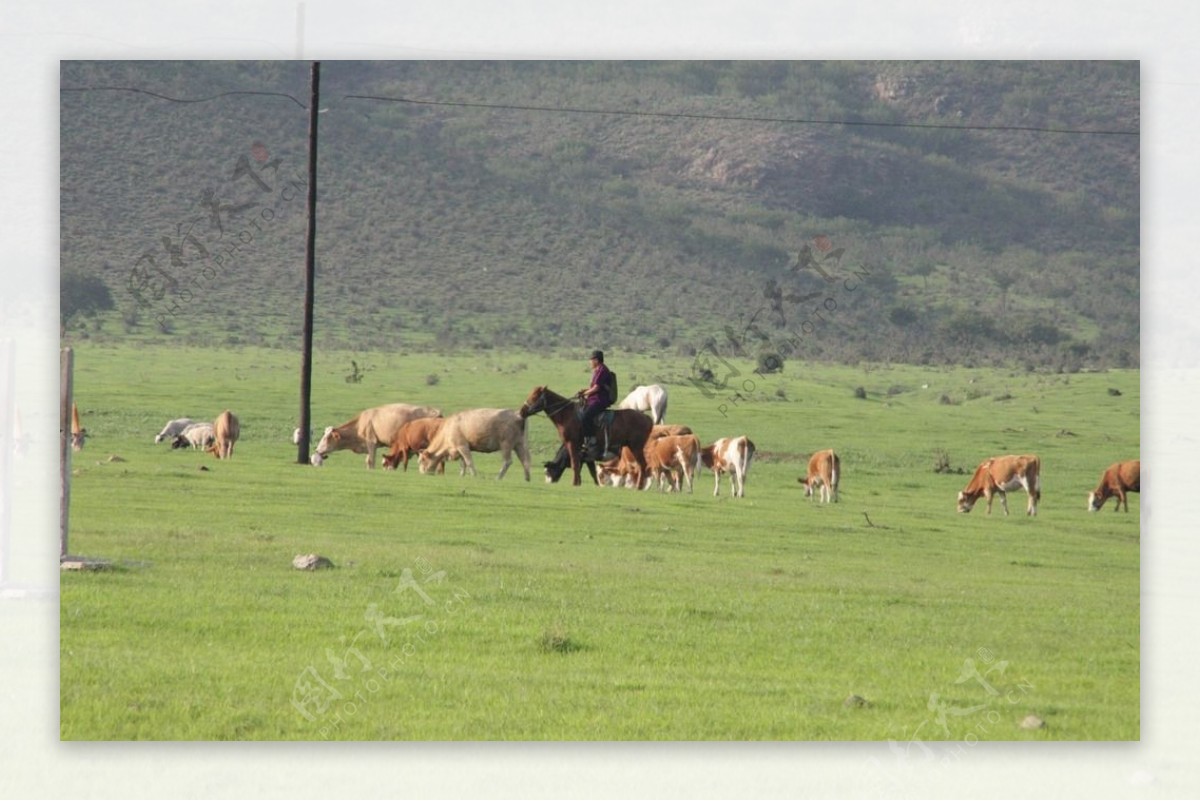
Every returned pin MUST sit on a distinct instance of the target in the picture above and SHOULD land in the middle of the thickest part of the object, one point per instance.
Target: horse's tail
(661, 412)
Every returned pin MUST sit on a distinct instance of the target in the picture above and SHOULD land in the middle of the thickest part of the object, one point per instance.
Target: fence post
(66, 388)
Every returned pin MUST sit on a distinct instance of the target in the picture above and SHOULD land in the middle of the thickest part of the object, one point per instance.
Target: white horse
(651, 399)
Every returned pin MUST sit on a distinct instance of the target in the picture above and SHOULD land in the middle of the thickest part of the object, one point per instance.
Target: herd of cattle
(673, 454)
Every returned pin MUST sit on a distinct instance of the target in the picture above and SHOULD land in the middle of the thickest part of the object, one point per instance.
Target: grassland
(466, 608)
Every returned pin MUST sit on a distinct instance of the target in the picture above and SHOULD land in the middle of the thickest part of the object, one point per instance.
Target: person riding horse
(597, 397)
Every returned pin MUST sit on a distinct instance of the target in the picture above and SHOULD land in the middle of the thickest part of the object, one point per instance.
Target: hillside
(696, 215)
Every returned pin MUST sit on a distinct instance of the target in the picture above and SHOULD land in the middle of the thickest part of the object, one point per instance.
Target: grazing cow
(78, 432)
(1000, 475)
(675, 458)
(562, 460)
(620, 471)
(482, 430)
(668, 431)
(824, 471)
(226, 430)
(731, 455)
(370, 429)
(173, 429)
(651, 399)
(413, 437)
(1118, 479)
(200, 436)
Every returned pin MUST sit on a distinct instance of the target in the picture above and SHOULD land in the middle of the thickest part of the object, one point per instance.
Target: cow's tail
(835, 470)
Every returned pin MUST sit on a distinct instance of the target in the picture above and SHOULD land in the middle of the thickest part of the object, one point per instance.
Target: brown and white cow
(413, 437)
(78, 432)
(673, 458)
(1000, 475)
(369, 429)
(824, 472)
(1119, 479)
(731, 455)
(620, 471)
(481, 430)
(226, 430)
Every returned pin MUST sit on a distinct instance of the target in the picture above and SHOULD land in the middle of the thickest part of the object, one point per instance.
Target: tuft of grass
(556, 640)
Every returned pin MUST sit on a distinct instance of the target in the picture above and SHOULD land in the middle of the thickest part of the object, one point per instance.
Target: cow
(620, 471)
(731, 455)
(668, 431)
(482, 430)
(413, 437)
(1000, 475)
(226, 430)
(824, 471)
(652, 398)
(562, 461)
(1119, 479)
(199, 436)
(78, 432)
(674, 458)
(369, 429)
(173, 429)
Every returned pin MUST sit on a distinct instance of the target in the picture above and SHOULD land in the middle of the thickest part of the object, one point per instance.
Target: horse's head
(536, 402)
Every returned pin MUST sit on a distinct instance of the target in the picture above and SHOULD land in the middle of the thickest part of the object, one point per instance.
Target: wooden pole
(67, 390)
(309, 269)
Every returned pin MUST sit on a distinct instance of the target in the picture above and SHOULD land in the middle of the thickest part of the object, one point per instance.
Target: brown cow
(824, 472)
(413, 437)
(78, 432)
(1118, 479)
(1000, 475)
(369, 429)
(226, 431)
(621, 470)
(668, 431)
(731, 455)
(676, 458)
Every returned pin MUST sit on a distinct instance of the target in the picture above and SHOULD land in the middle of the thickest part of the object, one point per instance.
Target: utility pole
(309, 269)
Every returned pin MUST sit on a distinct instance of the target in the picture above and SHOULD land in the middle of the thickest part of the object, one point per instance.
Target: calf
(1120, 478)
(620, 471)
(1000, 475)
(413, 437)
(824, 471)
(676, 458)
(731, 455)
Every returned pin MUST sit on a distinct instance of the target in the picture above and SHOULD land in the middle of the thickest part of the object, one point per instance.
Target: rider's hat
(598, 355)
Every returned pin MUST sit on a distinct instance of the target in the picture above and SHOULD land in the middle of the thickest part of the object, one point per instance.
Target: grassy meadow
(463, 608)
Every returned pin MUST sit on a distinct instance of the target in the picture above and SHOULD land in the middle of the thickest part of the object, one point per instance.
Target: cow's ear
(328, 429)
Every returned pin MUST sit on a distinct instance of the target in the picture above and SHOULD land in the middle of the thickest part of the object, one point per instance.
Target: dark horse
(627, 426)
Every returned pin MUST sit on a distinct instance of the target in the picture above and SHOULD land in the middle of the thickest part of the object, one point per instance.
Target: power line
(740, 118)
(177, 99)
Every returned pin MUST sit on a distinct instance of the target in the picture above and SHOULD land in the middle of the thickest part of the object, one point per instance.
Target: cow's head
(330, 441)
(966, 502)
(390, 462)
(180, 441)
(1095, 501)
(428, 462)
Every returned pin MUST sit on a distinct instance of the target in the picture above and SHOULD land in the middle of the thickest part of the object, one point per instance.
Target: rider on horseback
(598, 396)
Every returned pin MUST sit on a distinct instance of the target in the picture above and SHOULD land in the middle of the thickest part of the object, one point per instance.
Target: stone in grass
(310, 562)
(856, 702)
(1033, 722)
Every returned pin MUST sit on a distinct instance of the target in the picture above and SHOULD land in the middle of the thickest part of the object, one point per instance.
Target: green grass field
(471, 609)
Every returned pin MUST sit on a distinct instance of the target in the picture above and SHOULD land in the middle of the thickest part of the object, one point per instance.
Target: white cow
(173, 429)
(652, 398)
(482, 430)
(199, 436)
